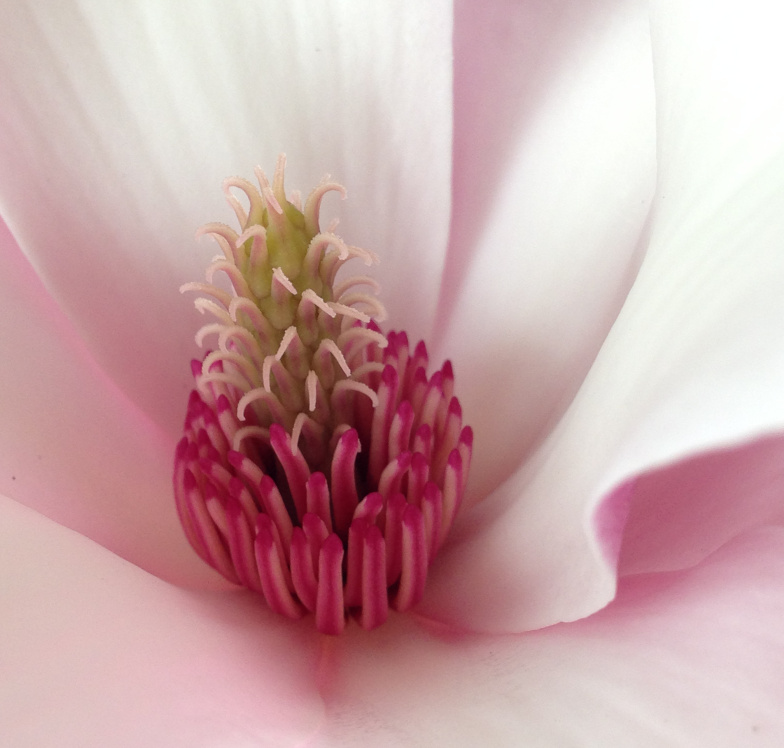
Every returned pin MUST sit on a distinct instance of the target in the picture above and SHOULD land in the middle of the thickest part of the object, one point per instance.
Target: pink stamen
(271, 572)
(318, 503)
(344, 487)
(241, 547)
(316, 533)
(352, 592)
(413, 559)
(375, 606)
(453, 479)
(370, 507)
(303, 574)
(294, 466)
(400, 429)
(330, 615)
(209, 540)
(381, 427)
(320, 466)
(392, 477)
(393, 525)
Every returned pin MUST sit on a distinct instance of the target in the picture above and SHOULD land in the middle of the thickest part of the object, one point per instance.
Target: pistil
(321, 466)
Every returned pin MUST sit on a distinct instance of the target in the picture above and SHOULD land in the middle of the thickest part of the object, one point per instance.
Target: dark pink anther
(319, 465)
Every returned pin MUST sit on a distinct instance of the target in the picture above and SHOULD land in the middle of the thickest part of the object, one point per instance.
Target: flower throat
(320, 465)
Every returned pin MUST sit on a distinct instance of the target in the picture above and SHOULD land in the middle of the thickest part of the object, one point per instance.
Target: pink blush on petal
(609, 520)
(682, 513)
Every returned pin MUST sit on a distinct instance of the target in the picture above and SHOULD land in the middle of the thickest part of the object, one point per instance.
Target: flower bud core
(320, 465)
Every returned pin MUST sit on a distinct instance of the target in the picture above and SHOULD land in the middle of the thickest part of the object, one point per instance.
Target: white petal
(72, 445)
(554, 172)
(695, 359)
(690, 658)
(97, 652)
(120, 122)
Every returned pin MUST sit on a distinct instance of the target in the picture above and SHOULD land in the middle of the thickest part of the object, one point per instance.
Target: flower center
(320, 465)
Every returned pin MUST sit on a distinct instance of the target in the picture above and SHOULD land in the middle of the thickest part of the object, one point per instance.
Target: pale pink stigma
(320, 465)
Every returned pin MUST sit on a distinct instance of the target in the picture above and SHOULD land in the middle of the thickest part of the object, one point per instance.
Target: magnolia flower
(590, 229)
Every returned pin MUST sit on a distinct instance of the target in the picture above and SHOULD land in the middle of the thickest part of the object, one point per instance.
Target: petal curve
(554, 171)
(101, 653)
(120, 123)
(685, 658)
(72, 446)
(694, 360)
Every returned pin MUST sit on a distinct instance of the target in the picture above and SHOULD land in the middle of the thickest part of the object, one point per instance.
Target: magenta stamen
(294, 466)
(271, 571)
(423, 441)
(431, 511)
(375, 606)
(303, 573)
(418, 475)
(450, 434)
(215, 504)
(337, 490)
(392, 477)
(465, 447)
(241, 547)
(417, 389)
(400, 430)
(414, 559)
(393, 523)
(243, 498)
(382, 422)
(209, 540)
(317, 498)
(330, 615)
(275, 508)
(226, 418)
(453, 479)
(356, 538)
(316, 533)
(215, 472)
(215, 434)
(344, 488)
(267, 491)
(370, 507)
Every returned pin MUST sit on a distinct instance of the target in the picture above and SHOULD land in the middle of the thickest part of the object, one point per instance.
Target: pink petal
(97, 652)
(690, 658)
(72, 446)
(120, 123)
(554, 173)
(679, 514)
(694, 360)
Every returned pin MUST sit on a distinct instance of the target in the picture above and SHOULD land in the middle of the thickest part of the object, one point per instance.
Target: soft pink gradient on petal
(695, 358)
(681, 513)
(609, 521)
(72, 445)
(95, 652)
(692, 363)
(120, 121)
(554, 171)
(688, 658)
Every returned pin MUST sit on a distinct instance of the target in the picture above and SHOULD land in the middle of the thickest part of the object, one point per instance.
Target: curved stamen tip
(320, 466)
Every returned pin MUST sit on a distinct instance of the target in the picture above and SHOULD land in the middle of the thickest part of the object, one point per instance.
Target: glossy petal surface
(554, 172)
(72, 445)
(122, 121)
(97, 652)
(693, 361)
(687, 658)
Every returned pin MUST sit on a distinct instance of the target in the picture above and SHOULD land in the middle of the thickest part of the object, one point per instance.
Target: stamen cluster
(320, 465)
